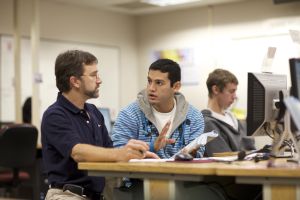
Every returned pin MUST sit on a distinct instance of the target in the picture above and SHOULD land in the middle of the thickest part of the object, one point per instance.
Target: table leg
(157, 189)
(279, 192)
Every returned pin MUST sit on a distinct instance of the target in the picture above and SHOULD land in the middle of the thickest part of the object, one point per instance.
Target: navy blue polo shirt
(63, 126)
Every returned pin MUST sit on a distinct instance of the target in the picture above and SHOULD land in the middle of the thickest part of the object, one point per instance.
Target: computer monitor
(107, 119)
(295, 77)
(295, 80)
(263, 93)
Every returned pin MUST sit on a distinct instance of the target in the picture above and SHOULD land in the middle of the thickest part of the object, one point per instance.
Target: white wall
(48, 51)
(232, 36)
(87, 25)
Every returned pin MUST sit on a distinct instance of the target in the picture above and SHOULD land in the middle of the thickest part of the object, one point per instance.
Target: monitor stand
(280, 143)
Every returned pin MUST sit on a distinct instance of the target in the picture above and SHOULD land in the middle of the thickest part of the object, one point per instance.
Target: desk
(281, 182)
(164, 180)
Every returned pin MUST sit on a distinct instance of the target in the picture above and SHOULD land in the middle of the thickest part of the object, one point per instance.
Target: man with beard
(222, 86)
(74, 131)
(160, 116)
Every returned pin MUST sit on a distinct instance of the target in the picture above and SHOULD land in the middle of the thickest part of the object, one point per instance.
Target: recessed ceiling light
(168, 2)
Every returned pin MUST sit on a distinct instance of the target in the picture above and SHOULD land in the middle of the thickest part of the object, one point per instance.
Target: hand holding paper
(201, 140)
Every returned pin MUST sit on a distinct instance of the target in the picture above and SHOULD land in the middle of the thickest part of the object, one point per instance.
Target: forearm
(86, 153)
(134, 149)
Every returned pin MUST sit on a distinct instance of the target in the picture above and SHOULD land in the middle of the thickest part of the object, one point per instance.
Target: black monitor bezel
(294, 70)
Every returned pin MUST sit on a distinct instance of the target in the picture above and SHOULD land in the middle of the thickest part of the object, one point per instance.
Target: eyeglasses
(96, 76)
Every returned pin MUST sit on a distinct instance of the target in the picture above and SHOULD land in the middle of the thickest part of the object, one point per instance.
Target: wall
(232, 36)
(45, 79)
(86, 25)
(220, 36)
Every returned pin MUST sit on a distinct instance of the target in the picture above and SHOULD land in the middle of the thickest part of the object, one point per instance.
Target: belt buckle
(76, 189)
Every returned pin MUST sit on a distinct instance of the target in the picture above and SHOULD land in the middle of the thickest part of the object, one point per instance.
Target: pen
(142, 152)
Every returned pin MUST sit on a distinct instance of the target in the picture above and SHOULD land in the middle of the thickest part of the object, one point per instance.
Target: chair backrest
(18, 145)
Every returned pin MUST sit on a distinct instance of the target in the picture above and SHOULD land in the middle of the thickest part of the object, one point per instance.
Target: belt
(81, 191)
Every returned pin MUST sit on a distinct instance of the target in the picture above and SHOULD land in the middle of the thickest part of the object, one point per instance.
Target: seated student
(74, 131)
(222, 86)
(160, 116)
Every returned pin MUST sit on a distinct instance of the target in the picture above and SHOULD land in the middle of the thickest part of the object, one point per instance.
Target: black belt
(81, 191)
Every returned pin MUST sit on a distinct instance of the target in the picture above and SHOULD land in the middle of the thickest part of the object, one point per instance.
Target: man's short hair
(70, 63)
(167, 66)
(220, 78)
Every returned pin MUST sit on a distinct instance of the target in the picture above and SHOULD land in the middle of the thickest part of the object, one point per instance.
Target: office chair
(17, 151)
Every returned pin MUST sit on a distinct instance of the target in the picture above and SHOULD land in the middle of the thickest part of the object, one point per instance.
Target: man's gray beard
(92, 94)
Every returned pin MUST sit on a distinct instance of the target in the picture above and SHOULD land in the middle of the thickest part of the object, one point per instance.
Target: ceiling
(140, 7)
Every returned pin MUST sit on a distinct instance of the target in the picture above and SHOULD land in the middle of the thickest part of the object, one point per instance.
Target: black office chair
(17, 152)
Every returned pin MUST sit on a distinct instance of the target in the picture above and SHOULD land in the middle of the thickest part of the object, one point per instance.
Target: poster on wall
(185, 58)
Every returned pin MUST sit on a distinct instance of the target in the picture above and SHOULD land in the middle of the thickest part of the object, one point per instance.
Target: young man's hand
(161, 141)
(193, 152)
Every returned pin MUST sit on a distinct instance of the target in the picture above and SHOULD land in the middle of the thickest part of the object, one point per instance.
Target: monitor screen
(295, 77)
(263, 93)
(107, 119)
(295, 80)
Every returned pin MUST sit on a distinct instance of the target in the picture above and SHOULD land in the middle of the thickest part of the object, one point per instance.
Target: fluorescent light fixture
(168, 2)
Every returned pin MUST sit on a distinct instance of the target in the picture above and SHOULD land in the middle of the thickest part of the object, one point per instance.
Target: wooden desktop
(161, 178)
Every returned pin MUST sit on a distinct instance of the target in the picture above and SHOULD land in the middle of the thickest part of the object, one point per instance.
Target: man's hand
(135, 149)
(161, 141)
(151, 155)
